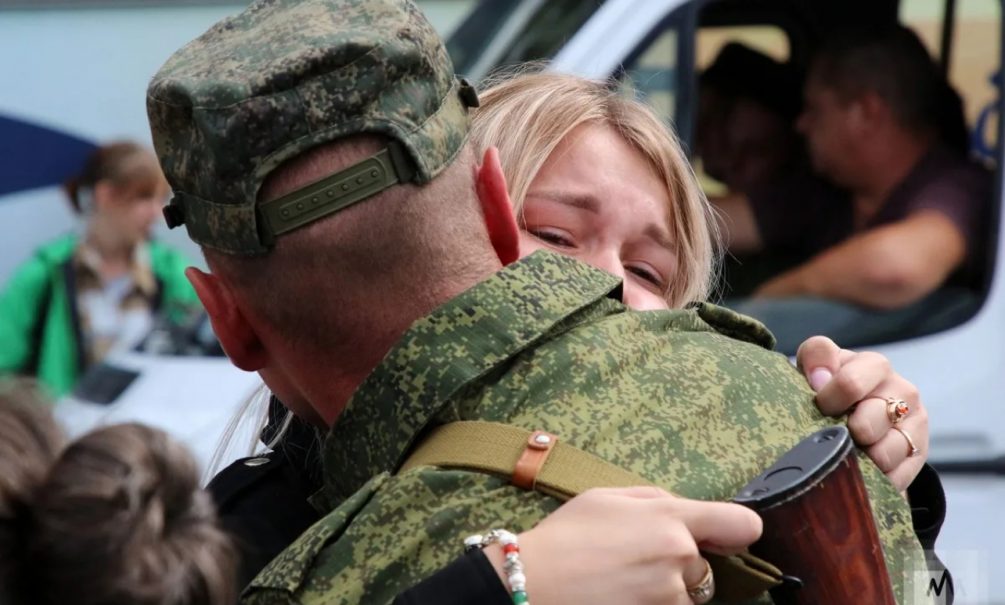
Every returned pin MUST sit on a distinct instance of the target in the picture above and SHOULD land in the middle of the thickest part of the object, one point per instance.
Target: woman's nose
(607, 260)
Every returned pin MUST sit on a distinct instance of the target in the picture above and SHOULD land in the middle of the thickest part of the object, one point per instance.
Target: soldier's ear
(490, 183)
(236, 335)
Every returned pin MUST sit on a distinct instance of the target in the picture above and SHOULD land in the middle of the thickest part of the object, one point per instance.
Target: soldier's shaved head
(396, 256)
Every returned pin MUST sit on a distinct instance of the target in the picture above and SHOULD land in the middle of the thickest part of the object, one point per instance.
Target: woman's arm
(630, 545)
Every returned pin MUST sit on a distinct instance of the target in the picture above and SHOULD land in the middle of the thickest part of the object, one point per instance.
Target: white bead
(517, 578)
(473, 541)
(506, 537)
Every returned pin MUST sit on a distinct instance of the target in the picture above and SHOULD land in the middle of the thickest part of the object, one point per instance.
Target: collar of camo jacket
(484, 326)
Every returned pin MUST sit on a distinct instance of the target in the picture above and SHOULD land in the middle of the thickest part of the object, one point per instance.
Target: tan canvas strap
(566, 471)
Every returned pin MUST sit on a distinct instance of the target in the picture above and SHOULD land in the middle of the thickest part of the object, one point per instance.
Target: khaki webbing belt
(492, 448)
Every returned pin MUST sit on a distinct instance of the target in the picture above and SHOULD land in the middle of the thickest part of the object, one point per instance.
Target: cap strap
(228, 228)
(333, 193)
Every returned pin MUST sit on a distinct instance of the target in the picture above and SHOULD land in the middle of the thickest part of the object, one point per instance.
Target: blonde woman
(598, 177)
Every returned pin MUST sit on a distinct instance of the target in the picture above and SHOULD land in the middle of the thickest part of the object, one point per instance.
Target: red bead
(510, 548)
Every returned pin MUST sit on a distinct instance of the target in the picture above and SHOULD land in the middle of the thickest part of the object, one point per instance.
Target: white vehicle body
(192, 398)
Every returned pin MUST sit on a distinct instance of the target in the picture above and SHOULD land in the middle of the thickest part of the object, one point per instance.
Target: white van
(660, 47)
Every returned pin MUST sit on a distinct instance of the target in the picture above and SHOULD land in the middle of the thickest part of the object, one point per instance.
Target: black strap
(70, 279)
(38, 329)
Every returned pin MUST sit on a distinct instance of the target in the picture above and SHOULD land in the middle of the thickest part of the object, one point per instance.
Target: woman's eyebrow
(583, 201)
(660, 235)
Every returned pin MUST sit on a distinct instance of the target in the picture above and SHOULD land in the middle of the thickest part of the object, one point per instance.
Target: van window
(498, 33)
(769, 39)
(652, 76)
(759, 138)
(653, 73)
(974, 60)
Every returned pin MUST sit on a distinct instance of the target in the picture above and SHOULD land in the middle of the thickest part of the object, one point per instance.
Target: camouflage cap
(284, 76)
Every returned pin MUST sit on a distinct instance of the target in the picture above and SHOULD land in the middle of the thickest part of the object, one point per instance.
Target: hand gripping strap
(566, 471)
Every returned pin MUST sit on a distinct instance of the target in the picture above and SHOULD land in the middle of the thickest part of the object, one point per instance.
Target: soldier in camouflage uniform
(692, 400)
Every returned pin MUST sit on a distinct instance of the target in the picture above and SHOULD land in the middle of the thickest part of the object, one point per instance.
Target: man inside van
(899, 239)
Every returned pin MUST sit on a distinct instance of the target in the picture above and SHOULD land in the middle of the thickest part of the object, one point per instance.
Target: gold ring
(702, 592)
(896, 410)
(914, 449)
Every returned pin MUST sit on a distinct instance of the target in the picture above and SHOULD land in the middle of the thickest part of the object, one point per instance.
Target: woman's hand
(630, 545)
(844, 380)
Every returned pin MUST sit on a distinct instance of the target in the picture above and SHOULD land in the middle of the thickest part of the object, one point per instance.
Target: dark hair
(121, 162)
(741, 72)
(114, 518)
(892, 62)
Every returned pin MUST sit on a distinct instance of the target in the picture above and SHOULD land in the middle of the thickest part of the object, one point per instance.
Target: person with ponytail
(85, 295)
(113, 518)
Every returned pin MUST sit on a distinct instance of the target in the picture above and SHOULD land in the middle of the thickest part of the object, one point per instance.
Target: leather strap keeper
(528, 467)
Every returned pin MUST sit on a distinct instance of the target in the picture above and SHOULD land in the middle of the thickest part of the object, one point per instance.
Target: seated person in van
(903, 218)
(745, 134)
(747, 141)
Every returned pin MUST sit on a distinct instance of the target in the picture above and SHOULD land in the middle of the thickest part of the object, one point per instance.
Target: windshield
(481, 25)
(508, 32)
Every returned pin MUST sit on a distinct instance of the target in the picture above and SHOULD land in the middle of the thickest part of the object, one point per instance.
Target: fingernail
(819, 378)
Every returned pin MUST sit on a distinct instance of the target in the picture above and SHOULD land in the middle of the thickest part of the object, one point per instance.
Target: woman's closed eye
(648, 274)
(552, 236)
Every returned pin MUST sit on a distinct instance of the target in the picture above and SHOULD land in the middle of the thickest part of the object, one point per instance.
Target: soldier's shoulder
(735, 325)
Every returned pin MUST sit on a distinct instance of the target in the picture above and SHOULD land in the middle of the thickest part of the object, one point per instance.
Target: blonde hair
(527, 114)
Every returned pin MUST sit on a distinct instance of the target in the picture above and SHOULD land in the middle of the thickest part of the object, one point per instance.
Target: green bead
(519, 598)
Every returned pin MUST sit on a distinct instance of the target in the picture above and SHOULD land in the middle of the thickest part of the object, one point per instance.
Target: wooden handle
(827, 538)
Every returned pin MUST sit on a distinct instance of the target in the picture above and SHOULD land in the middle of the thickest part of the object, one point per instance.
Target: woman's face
(132, 209)
(598, 200)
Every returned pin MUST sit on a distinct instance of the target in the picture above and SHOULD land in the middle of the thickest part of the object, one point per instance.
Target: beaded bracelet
(512, 566)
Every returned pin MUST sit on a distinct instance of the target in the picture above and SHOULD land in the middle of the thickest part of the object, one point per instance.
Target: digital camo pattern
(284, 76)
(541, 345)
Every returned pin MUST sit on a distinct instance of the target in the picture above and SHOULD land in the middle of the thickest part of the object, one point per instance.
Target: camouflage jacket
(545, 344)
